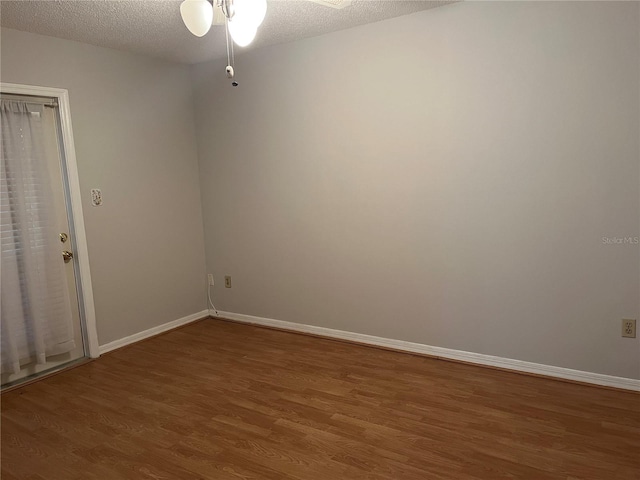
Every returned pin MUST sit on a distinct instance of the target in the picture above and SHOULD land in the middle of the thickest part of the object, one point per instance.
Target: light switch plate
(96, 197)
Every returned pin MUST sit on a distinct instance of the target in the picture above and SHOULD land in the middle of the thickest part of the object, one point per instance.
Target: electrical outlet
(210, 278)
(628, 328)
(227, 281)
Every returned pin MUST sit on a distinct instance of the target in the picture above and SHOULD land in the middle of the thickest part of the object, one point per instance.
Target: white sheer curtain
(35, 319)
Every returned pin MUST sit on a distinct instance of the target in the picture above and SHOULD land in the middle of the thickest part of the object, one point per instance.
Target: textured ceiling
(154, 28)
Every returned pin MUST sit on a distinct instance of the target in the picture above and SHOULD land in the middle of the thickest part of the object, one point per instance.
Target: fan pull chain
(230, 56)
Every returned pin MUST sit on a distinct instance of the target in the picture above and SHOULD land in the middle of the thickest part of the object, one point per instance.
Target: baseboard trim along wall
(136, 337)
(439, 352)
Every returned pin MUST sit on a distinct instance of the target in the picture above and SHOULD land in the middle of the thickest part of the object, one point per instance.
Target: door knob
(67, 256)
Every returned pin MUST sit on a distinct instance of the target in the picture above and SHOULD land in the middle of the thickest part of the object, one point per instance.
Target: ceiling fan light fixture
(242, 33)
(197, 16)
(251, 12)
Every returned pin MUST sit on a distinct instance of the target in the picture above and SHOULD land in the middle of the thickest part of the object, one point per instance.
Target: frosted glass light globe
(197, 15)
(241, 32)
(250, 11)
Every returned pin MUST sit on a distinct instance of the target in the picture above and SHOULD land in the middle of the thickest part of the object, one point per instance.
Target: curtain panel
(35, 317)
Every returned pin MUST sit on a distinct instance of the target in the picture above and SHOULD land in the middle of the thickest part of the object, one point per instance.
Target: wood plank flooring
(218, 400)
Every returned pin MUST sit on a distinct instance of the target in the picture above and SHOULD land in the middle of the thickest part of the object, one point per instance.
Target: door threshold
(23, 382)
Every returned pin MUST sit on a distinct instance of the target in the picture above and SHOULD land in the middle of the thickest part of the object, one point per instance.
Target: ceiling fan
(242, 17)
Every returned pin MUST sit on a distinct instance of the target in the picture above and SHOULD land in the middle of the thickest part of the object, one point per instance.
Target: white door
(41, 321)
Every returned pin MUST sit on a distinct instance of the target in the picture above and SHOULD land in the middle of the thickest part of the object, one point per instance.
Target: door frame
(70, 174)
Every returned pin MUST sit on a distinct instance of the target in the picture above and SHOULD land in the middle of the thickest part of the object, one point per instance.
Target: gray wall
(445, 178)
(135, 138)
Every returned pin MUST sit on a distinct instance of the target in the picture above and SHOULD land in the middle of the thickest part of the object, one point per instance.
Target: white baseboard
(136, 337)
(447, 353)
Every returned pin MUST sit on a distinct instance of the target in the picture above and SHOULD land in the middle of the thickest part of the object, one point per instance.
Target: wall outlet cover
(628, 328)
(227, 281)
(210, 279)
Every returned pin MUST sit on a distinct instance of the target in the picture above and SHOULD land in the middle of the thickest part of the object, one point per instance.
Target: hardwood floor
(218, 400)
